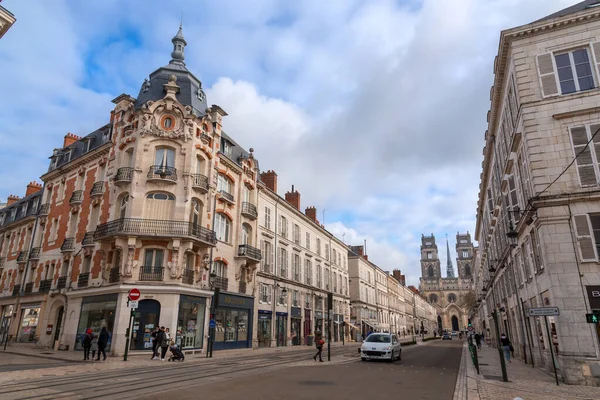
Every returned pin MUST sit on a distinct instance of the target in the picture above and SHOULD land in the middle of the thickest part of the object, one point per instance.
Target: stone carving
(129, 264)
(174, 265)
(146, 86)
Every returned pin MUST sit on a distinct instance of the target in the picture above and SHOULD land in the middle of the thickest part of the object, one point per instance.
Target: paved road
(14, 362)
(293, 374)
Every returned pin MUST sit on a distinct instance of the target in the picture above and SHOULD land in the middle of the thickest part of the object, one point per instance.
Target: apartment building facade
(302, 263)
(7, 19)
(538, 215)
(160, 199)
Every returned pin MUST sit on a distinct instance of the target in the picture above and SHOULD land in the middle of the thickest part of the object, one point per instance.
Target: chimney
(32, 188)
(293, 198)
(269, 178)
(311, 212)
(403, 279)
(12, 199)
(70, 139)
(366, 257)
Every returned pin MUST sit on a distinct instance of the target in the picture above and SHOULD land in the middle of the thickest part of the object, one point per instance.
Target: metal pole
(329, 309)
(500, 351)
(128, 334)
(528, 332)
(210, 270)
(551, 344)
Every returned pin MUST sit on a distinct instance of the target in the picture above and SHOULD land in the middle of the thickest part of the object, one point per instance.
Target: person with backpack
(87, 343)
(319, 342)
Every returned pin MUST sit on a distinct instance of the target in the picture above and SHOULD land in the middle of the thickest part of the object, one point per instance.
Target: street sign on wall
(134, 294)
(542, 312)
(133, 304)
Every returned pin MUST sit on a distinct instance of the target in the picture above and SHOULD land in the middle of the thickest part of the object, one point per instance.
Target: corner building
(161, 199)
(538, 214)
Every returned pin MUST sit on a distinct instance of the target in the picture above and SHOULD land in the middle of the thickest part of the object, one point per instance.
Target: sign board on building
(542, 312)
(593, 293)
(49, 329)
(133, 304)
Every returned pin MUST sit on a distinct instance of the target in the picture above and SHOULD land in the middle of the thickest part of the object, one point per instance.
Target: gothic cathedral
(451, 295)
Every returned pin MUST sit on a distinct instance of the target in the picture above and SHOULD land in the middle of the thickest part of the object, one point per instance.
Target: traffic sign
(470, 329)
(134, 294)
(543, 312)
(592, 318)
(133, 304)
(212, 323)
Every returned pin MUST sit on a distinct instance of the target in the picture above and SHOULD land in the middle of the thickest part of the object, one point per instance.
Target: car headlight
(387, 348)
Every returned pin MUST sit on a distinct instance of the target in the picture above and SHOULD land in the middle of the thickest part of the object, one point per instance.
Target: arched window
(164, 157)
(123, 206)
(430, 271)
(451, 298)
(223, 184)
(199, 165)
(222, 227)
(246, 234)
(220, 269)
(160, 196)
(196, 213)
(467, 270)
(159, 205)
(433, 298)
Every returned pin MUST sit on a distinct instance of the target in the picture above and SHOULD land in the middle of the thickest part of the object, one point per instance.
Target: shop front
(296, 332)
(30, 317)
(97, 312)
(190, 322)
(147, 317)
(264, 328)
(7, 314)
(282, 319)
(233, 317)
(338, 320)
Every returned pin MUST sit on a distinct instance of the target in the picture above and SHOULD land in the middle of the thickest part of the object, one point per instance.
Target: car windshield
(379, 338)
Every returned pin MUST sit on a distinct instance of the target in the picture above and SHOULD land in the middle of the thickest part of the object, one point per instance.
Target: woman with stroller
(176, 354)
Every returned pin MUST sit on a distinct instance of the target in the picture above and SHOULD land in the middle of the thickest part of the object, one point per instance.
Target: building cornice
(7, 19)
(78, 162)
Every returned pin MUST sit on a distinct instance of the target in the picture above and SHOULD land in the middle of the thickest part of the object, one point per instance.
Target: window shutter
(596, 59)
(547, 75)
(584, 162)
(262, 251)
(587, 249)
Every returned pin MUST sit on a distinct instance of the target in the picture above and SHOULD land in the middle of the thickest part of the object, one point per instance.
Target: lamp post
(276, 300)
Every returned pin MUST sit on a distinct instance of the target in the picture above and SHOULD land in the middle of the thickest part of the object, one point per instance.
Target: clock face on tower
(201, 95)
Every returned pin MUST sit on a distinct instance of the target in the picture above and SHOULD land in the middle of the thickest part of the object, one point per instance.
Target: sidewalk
(524, 381)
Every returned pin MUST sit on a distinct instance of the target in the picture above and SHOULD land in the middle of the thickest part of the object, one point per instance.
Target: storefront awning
(372, 325)
(353, 326)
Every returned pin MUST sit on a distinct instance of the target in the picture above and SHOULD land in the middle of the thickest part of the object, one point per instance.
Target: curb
(47, 357)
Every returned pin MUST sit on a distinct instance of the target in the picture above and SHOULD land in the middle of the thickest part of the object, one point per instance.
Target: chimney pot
(293, 198)
(12, 199)
(32, 188)
(269, 178)
(311, 212)
(70, 139)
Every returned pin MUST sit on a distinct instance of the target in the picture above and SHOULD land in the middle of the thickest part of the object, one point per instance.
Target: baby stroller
(176, 354)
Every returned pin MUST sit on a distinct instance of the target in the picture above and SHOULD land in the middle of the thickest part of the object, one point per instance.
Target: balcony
(228, 197)
(88, 239)
(61, 283)
(28, 288)
(249, 210)
(35, 253)
(188, 276)
(97, 189)
(162, 173)
(200, 182)
(152, 274)
(123, 175)
(44, 209)
(219, 282)
(115, 275)
(155, 228)
(45, 286)
(83, 280)
(68, 245)
(76, 197)
(16, 290)
(22, 257)
(249, 253)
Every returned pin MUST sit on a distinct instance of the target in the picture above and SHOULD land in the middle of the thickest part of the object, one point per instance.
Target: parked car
(446, 336)
(381, 346)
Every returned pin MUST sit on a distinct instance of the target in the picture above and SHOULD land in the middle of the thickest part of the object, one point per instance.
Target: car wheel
(392, 357)
(363, 359)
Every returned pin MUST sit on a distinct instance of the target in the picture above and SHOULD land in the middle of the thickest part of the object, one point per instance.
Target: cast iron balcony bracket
(160, 172)
(200, 182)
(97, 189)
(88, 239)
(76, 197)
(124, 175)
(249, 210)
(247, 251)
(228, 197)
(68, 244)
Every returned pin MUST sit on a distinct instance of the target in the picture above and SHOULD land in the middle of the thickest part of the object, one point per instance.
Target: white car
(381, 346)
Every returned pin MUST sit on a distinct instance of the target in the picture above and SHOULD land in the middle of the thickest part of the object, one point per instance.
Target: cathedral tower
(430, 260)
(464, 255)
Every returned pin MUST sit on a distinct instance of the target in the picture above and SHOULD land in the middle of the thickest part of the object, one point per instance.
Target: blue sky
(374, 110)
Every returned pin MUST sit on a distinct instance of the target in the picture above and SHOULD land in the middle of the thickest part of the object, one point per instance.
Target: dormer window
(88, 144)
(227, 148)
(66, 157)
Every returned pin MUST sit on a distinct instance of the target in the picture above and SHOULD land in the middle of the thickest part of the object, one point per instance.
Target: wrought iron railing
(245, 250)
(16, 290)
(226, 196)
(249, 210)
(188, 276)
(45, 286)
(97, 188)
(35, 253)
(68, 244)
(28, 287)
(220, 282)
(162, 172)
(76, 197)
(154, 227)
(88, 239)
(61, 283)
(124, 174)
(115, 275)
(83, 280)
(200, 181)
(150, 273)
(22, 257)
(44, 209)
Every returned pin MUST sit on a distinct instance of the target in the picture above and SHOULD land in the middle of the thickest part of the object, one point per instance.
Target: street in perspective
(300, 200)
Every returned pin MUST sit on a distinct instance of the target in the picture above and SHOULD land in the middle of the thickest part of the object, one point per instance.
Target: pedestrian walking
(478, 341)
(506, 346)
(319, 342)
(163, 339)
(102, 342)
(94, 346)
(87, 343)
(154, 335)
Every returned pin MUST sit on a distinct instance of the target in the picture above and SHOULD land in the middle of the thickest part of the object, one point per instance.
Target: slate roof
(80, 147)
(18, 205)
(582, 6)
(237, 151)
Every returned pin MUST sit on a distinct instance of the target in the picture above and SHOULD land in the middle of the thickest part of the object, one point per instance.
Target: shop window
(29, 323)
(97, 312)
(232, 325)
(190, 325)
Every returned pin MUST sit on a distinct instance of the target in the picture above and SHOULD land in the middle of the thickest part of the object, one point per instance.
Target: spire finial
(179, 43)
(449, 267)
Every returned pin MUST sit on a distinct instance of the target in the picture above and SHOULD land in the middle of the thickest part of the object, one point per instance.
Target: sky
(374, 110)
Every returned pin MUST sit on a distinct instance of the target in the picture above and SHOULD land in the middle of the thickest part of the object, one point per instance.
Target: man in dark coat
(102, 342)
(319, 344)
(87, 344)
(155, 343)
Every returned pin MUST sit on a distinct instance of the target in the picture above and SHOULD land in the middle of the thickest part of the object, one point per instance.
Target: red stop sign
(134, 294)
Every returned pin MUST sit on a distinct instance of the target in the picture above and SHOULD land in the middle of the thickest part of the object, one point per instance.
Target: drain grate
(316, 383)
